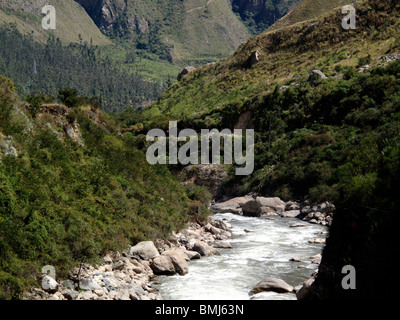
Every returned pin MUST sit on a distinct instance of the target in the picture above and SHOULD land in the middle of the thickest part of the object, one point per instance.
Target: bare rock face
(209, 175)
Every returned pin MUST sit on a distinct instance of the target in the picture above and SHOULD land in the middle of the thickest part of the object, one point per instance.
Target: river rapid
(255, 255)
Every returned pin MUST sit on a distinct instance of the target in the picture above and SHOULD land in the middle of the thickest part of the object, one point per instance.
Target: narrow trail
(198, 8)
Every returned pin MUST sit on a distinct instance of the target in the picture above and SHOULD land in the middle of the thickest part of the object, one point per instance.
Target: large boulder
(252, 209)
(231, 206)
(272, 284)
(170, 262)
(204, 249)
(261, 205)
(178, 260)
(162, 265)
(274, 204)
(145, 250)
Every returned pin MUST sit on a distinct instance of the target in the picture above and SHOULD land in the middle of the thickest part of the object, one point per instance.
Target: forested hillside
(40, 68)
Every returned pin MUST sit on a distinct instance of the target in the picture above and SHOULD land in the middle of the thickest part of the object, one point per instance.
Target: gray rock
(297, 225)
(231, 206)
(162, 265)
(118, 266)
(178, 260)
(222, 245)
(273, 204)
(272, 284)
(70, 294)
(290, 214)
(146, 250)
(88, 285)
(317, 241)
(204, 249)
(316, 75)
(193, 255)
(111, 282)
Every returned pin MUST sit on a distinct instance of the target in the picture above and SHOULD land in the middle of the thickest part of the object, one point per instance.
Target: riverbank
(128, 275)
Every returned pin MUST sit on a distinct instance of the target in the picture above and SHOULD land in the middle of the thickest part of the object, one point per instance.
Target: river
(256, 255)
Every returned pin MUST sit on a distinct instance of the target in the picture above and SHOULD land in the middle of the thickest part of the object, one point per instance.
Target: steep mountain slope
(285, 56)
(72, 21)
(179, 31)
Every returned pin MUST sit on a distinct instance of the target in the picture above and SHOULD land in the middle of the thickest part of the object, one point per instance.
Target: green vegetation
(63, 204)
(43, 68)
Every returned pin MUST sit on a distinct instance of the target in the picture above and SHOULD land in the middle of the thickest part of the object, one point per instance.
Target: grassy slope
(72, 20)
(286, 55)
(309, 9)
(210, 31)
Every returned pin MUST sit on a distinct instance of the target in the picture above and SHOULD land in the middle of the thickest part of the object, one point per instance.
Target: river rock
(70, 294)
(162, 265)
(146, 250)
(222, 245)
(252, 209)
(317, 241)
(193, 255)
(261, 205)
(49, 284)
(272, 284)
(220, 224)
(290, 214)
(178, 260)
(88, 285)
(297, 225)
(295, 259)
(231, 206)
(271, 204)
(204, 249)
(191, 234)
(316, 259)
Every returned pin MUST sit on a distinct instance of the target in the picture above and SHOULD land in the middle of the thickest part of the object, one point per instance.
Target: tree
(69, 97)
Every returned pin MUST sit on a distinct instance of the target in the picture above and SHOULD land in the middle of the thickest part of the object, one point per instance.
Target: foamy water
(255, 256)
